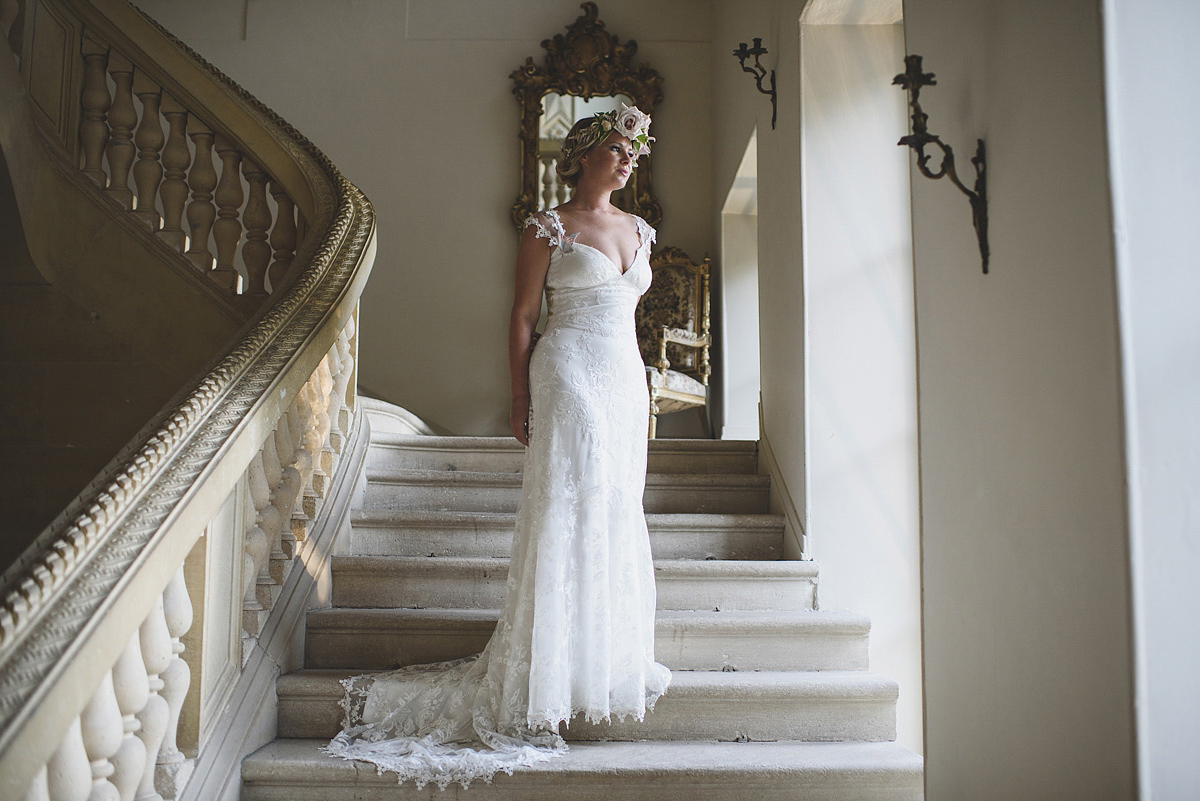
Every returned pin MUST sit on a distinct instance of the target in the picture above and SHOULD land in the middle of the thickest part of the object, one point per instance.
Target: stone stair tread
(376, 638)
(460, 443)
(690, 568)
(748, 621)
(472, 478)
(506, 455)
(815, 706)
(415, 518)
(843, 684)
(478, 582)
(666, 770)
(429, 532)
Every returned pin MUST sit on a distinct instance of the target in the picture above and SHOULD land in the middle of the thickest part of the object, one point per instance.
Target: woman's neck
(590, 198)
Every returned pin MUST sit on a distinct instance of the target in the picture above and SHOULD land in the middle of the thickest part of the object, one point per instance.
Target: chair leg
(653, 417)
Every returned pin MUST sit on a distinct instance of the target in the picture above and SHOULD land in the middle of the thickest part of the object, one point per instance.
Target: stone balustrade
(168, 167)
(126, 743)
(174, 583)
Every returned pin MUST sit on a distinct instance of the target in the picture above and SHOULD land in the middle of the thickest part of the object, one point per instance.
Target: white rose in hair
(631, 121)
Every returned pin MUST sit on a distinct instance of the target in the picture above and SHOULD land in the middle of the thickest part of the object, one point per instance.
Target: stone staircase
(769, 699)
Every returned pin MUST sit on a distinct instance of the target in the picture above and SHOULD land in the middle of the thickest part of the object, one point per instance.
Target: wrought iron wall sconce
(912, 79)
(758, 70)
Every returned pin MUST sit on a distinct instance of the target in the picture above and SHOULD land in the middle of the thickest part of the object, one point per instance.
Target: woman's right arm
(533, 261)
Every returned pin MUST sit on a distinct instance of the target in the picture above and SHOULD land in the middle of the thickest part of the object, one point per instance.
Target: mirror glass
(559, 113)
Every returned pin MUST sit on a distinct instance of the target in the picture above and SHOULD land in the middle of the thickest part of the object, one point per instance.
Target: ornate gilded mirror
(586, 70)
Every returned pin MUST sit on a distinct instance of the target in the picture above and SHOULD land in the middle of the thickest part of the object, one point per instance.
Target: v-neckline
(562, 229)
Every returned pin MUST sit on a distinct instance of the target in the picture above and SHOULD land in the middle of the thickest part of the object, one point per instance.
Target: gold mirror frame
(587, 62)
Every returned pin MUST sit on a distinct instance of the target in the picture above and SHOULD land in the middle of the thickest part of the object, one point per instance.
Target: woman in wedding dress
(576, 634)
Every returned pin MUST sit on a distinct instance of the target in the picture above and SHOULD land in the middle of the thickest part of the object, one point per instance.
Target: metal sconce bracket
(758, 70)
(912, 79)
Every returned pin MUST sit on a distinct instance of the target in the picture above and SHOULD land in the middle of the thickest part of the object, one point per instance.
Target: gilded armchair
(673, 334)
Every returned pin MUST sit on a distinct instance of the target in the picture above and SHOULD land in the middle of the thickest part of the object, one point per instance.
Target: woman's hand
(518, 420)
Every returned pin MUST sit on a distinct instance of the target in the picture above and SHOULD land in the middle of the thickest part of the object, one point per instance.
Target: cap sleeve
(646, 233)
(545, 224)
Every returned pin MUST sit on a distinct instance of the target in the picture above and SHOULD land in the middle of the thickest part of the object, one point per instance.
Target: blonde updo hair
(584, 135)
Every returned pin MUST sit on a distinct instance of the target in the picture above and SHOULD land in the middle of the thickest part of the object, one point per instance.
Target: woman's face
(611, 161)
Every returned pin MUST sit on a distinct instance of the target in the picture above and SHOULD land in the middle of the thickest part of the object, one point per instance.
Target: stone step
(385, 532)
(464, 491)
(474, 583)
(506, 455)
(378, 639)
(296, 770)
(711, 705)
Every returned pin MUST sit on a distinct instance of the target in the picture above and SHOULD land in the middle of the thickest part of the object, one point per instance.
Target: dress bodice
(580, 275)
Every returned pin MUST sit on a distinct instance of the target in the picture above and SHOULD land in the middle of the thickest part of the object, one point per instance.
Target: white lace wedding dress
(576, 635)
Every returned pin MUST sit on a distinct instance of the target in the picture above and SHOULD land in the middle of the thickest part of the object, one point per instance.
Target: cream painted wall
(781, 290)
(737, 381)
(740, 374)
(412, 100)
(1151, 64)
(862, 515)
(1027, 656)
(867, 569)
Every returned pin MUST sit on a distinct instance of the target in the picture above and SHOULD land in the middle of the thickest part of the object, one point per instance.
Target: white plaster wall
(862, 516)
(739, 326)
(1027, 649)
(739, 375)
(1151, 64)
(412, 100)
(780, 279)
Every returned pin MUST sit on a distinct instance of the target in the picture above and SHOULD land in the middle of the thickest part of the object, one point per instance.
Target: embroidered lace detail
(576, 634)
(549, 226)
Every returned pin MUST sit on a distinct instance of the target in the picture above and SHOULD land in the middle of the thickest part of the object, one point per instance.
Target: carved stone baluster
(318, 430)
(156, 654)
(341, 383)
(271, 523)
(256, 253)
(172, 770)
(228, 229)
(290, 482)
(102, 732)
(93, 130)
(285, 445)
(562, 192)
(258, 552)
(352, 384)
(302, 425)
(132, 688)
(68, 773)
(299, 418)
(273, 470)
(38, 788)
(175, 159)
(12, 24)
(122, 116)
(325, 371)
(147, 172)
(334, 403)
(203, 180)
(548, 182)
(283, 235)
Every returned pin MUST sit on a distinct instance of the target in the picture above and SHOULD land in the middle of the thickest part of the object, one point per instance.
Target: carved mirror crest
(586, 70)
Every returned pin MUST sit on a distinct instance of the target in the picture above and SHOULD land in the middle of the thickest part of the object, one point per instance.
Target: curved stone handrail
(69, 605)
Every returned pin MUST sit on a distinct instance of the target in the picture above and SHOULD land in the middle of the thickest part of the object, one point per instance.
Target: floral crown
(630, 122)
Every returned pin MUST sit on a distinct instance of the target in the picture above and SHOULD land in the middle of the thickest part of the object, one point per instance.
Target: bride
(576, 634)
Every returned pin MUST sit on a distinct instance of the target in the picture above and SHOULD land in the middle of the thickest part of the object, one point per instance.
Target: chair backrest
(677, 298)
